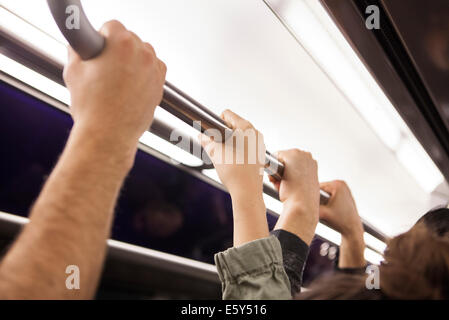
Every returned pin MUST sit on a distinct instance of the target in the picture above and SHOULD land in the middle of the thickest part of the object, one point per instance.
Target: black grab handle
(89, 43)
(85, 40)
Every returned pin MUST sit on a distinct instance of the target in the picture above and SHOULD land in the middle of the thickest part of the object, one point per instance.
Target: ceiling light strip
(315, 31)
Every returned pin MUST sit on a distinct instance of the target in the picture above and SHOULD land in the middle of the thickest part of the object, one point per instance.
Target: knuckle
(246, 124)
(112, 25)
(309, 157)
(136, 37)
(149, 47)
(341, 183)
(148, 57)
(126, 39)
(163, 67)
(226, 113)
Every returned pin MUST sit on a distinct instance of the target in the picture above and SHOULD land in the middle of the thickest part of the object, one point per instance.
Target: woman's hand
(341, 214)
(300, 194)
(239, 162)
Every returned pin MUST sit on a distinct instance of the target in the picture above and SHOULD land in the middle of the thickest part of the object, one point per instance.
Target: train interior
(370, 107)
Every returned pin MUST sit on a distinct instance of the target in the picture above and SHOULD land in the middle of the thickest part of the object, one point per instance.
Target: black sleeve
(294, 255)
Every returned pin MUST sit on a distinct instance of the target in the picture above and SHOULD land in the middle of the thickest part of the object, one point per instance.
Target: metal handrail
(89, 43)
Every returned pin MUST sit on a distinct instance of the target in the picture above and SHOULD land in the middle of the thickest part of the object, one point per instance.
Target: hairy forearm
(250, 222)
(69, 223)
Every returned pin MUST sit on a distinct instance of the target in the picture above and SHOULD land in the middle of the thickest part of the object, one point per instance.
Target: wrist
(116, 152)
(352, 253)
(355, 234)
(298, 219)
(239, 191)
(251, 201)
(355, 241)
(301, 208)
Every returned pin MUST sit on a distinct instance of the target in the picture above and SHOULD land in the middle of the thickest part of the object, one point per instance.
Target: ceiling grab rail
(89, 43)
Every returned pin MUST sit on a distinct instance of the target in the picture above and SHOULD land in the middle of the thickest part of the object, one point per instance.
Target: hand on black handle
(82, 37)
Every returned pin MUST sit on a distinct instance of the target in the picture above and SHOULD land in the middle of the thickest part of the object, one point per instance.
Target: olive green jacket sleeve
(253, 271)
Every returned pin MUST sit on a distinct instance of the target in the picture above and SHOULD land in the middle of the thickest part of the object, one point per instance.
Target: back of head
(416, 266)
(437, 220)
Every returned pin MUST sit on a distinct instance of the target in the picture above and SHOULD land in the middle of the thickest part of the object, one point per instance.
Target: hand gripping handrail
(89, 43)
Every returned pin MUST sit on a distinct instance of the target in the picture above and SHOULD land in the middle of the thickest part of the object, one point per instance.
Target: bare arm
(352, 250)
(341, 214)
(244, 179)
(299, 193)
(71, 219)
(249, 218)
(69, 224)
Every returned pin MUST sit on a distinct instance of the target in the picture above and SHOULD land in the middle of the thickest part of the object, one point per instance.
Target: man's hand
(239, 163)
(341, 214)
(300, 194)
(113, 96)
(113, 101)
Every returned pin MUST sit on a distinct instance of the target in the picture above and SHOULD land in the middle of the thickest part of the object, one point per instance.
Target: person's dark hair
(416, 266)
(437, 220)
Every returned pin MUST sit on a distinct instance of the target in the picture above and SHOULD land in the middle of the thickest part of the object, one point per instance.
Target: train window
(161, 206)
